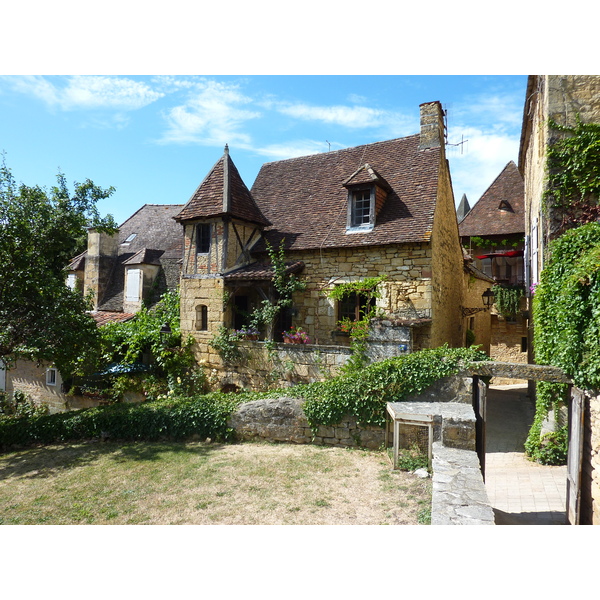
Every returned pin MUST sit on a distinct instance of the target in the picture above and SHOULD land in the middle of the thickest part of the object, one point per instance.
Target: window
(354, 307)
(361, 209)
(203, 238)
(201, 317)
(134, 277)
(51, 376)
(72, 281)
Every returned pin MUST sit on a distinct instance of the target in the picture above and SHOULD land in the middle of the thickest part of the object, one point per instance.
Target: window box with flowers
(248, 333)
(295, 335)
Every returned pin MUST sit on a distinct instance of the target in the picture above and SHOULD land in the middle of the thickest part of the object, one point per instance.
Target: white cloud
(491, 125)
(213, 114)
(355, 116)
(483, 158)
(87, 92)
(293, 149)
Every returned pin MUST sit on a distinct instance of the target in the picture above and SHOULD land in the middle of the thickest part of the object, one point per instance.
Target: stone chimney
(99, 263)
(432, 126)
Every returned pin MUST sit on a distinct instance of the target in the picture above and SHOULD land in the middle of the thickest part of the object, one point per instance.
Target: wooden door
(575, 455)
(479, 407)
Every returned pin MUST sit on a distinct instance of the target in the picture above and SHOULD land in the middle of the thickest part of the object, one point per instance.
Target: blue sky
(154, 138)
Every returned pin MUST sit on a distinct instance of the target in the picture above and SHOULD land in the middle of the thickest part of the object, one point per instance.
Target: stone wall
(30, 378)
(447, 268)
(261, 365)
(507, 343)
(281, 419)
(406, 294)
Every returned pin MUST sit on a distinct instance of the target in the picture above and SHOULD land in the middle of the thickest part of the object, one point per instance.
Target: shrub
(170, 418)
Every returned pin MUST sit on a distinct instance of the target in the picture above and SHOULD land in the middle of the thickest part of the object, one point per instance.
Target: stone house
(564, 99)
(493, 232)
(135, 265)
(384, 209)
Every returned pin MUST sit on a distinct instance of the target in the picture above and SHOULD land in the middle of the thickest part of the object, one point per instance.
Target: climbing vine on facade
(566, 311)
(358, 329)
(573, 167)
(507, 299)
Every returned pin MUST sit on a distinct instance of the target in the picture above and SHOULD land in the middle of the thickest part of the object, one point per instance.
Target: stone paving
(520, 491)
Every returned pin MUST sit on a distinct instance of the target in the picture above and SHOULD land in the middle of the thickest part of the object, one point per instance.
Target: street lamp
(488, 300)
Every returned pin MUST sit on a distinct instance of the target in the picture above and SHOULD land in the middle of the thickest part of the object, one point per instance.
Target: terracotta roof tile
(262, 271)
(487, 218)
(212, 200)
(306, 200)
(155, 238)
(103, 317)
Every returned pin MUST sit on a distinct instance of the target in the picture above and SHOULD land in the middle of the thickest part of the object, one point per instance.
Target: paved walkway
(521, 492)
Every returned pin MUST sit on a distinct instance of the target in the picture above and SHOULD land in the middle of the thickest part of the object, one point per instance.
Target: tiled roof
(223, 193)
(306, 201)
(463, 208)
(78, 263)
(103, 317)
(145, 257)
(155, 238)
(262, 271)
(500, 211)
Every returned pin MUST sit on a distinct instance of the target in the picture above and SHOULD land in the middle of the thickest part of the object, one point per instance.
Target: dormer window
(361, 209)
(367, 193)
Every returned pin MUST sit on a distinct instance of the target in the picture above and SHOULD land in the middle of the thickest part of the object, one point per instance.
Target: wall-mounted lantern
(488, 300)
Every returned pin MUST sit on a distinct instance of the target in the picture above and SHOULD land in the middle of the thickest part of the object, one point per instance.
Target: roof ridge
(305, 156)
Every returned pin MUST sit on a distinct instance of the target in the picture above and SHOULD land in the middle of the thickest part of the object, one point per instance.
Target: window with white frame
(361, 209)
(133, 285)
(72, 281)
(51, 376)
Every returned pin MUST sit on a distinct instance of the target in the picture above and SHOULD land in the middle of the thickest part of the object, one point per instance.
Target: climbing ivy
(573, 167)
(364, 394)
(507, 299)
(566, 312)
(359, 329)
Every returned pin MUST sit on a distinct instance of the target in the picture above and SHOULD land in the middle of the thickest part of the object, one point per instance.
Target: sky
(154, 138)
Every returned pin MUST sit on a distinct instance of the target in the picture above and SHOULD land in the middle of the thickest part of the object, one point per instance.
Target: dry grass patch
(197, 483)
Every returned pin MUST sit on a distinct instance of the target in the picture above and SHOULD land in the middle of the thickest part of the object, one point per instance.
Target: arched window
(201, 317)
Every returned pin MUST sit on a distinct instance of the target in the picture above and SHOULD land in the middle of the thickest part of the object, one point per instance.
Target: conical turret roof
(223, 193)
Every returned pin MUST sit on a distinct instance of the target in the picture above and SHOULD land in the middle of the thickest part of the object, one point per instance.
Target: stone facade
(562, 98)
(32, 380)
(447, 268)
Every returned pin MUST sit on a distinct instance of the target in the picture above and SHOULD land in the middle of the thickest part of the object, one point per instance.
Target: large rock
(277, 419)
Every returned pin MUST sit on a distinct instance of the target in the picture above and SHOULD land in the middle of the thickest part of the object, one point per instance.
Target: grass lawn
(198, 483)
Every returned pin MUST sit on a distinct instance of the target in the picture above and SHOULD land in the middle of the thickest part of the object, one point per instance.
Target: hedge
(171, 419)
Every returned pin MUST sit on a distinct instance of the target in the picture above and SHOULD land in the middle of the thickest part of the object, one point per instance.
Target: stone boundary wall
(459, 496)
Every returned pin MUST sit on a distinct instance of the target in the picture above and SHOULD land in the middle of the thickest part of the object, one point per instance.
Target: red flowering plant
(296, 335)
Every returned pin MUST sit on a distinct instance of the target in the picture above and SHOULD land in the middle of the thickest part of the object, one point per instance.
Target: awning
(123, 369)
(508, 254)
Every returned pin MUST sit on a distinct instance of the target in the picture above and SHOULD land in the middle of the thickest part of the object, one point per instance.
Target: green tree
(40, 231)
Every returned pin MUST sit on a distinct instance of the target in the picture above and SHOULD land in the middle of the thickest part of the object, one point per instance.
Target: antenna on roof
(329, 143)
(462, 142)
